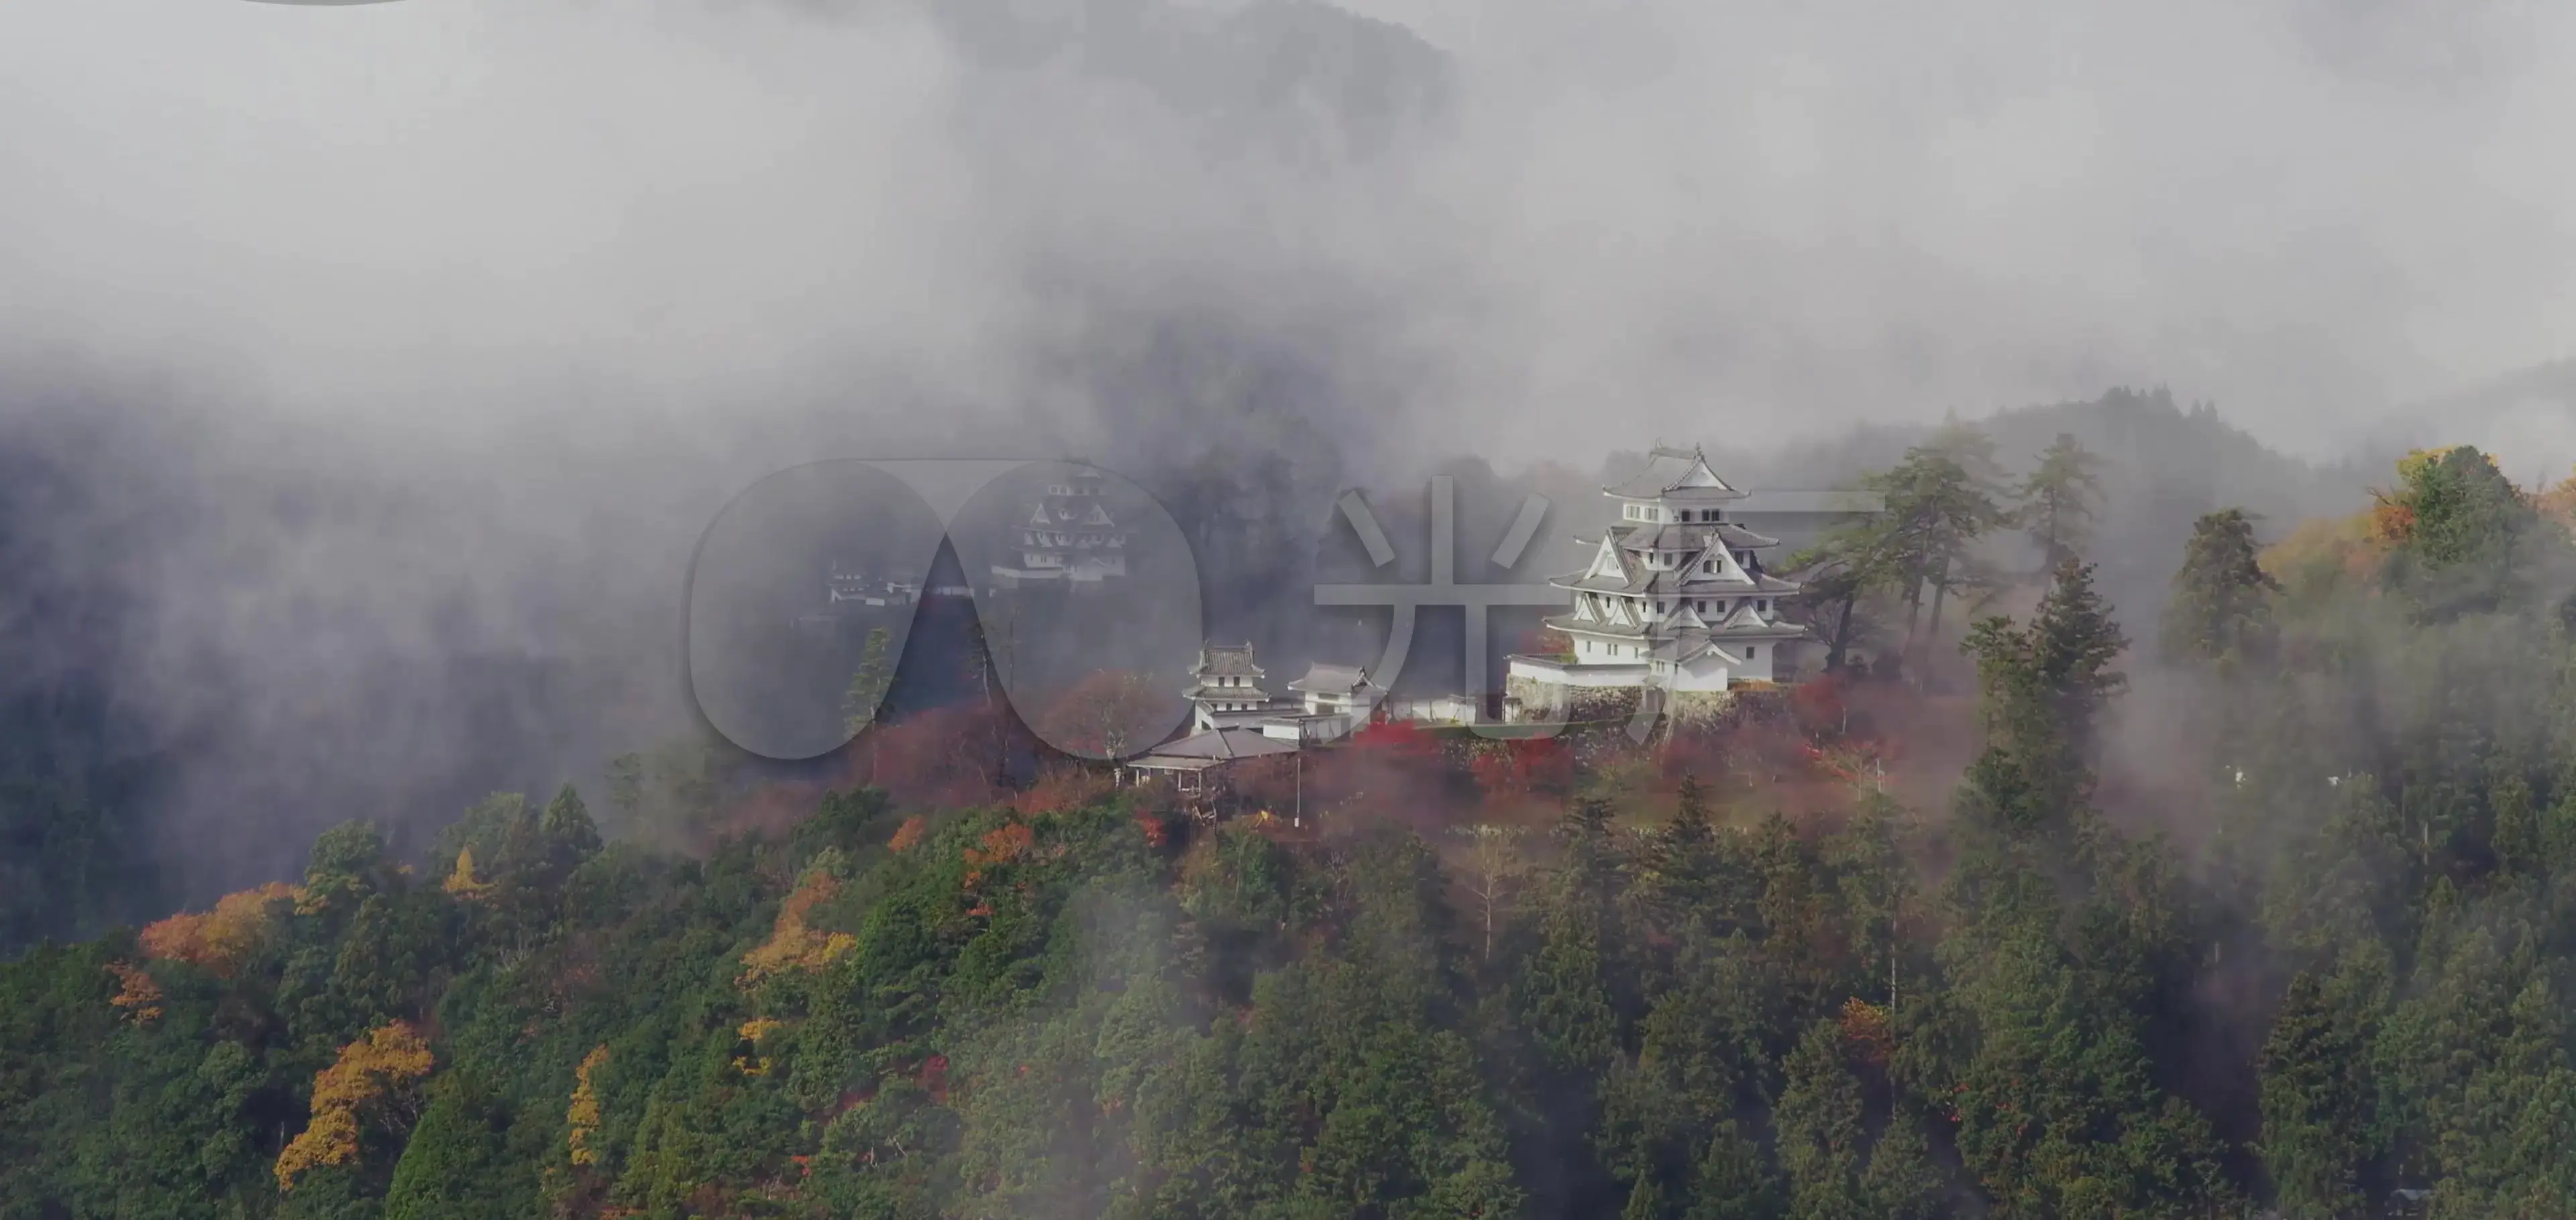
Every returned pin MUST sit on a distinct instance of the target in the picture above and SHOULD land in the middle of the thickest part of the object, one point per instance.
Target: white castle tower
(1068, 539)
(1675, 596)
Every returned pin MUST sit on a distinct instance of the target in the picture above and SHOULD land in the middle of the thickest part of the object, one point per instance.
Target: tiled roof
(1323, 679)
(1680, 537)
(1228, 660)
(1224, 744)
(1674, 474)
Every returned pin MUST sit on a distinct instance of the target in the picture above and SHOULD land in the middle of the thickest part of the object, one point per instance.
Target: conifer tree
(1819, 1119)
(2315, 1106)
(568, 828)
(2059, 499)
(1940, 500)
(1734, 1181)
(2220, 611)
(1901, 1182)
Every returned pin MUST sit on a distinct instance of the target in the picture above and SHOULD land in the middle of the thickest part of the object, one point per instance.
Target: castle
(1068, 540)
(1676, 597)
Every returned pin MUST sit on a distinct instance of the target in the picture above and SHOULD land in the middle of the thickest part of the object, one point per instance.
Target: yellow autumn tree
(2559, 504)
(583, 1117)
(371, 1073)
(754, 1032)
(222, 939)
(462, 882)
(138, 994)
(792, 945)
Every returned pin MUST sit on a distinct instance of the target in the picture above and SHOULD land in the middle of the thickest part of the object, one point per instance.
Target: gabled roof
(1227, 660)
(1226, 694)
(1323, 679)
(1674, 474)
(1763, 503)
(1225, 743)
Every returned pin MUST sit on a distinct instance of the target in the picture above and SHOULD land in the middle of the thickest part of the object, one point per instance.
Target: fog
(398, 333)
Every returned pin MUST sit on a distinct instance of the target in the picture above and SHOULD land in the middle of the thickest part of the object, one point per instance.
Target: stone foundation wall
(1530, 701)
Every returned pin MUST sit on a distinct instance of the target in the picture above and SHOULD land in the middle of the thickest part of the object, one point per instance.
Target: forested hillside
(1675, 1004)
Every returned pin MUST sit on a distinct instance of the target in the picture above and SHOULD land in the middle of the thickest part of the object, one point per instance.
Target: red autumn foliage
(1063, 788)
(1112, 713)
(1396, 737)
(1522, 766)
(1821, 705)
(767, 812)
(941, 758)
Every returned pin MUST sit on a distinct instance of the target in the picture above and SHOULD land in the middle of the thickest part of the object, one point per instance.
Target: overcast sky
(557, 278)
(428, 219)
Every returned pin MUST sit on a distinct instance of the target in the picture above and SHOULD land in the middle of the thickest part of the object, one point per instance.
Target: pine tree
(1901, 1182)
(1940, 500)
(863, 701)
(568, 828)
(1683, 859)
(1733, 1181)
(2059, 498)
(2219, 610)
(1819, 1119)
(2315, 1106)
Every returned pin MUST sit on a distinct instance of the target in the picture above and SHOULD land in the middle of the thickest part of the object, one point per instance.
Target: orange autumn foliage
(369, 1073)
(908, 834)
(222, 939)
(1002, 845)
(138, 995)
(1868, 1030)
(1061, 789)
(2559, 504)
(792, 945)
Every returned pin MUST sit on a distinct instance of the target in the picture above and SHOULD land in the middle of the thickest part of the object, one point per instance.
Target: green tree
(1941, 499)
(1854, 563)
(2059, 498)
(1902, 1183)
(2316, 1106)
(568, 829)
(865, 698)
(2220, 609)
(1734, 1181)
(1819, 1118)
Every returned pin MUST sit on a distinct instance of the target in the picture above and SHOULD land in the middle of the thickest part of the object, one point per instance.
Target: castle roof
(1228, 661)
(1692, 537)
(1324, 679)
(1224, 744)
(1674, 474)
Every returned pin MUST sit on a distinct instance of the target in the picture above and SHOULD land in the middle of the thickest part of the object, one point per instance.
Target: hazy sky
(424, 219)
(478, 310)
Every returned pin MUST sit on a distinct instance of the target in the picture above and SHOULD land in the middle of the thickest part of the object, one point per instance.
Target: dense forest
(2313, 955)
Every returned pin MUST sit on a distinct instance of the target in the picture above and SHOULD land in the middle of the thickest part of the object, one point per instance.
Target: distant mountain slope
(2166, 464)
(1293, 73)
(2526, 418)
